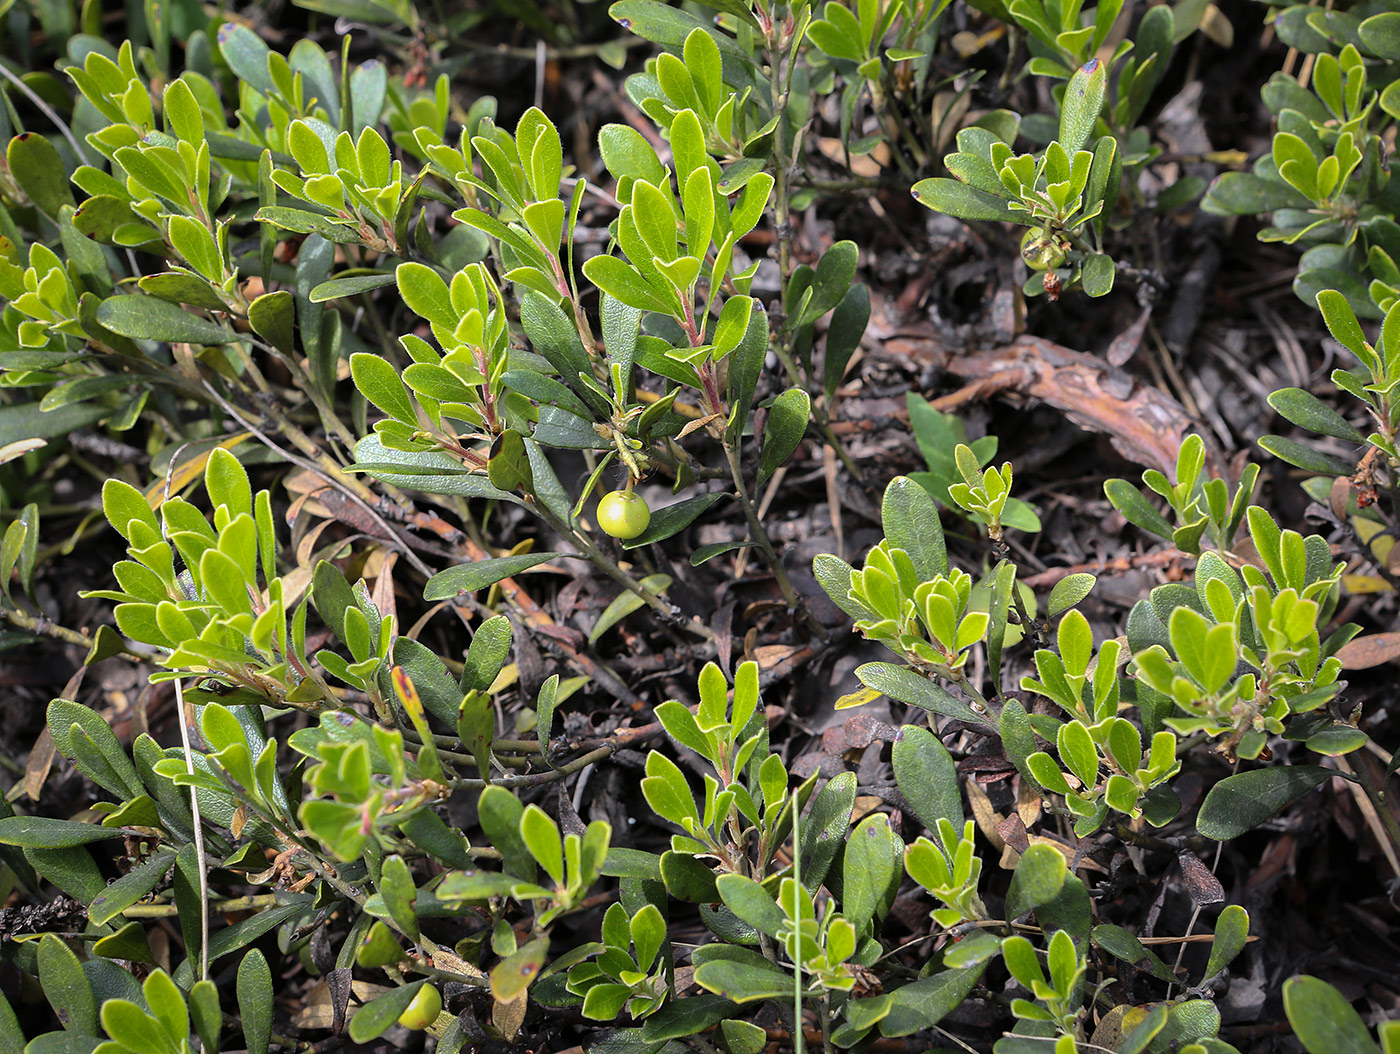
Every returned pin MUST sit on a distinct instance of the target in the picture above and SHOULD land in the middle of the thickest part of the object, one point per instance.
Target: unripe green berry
(1041, 250)
(623, 514)
(424, 1010)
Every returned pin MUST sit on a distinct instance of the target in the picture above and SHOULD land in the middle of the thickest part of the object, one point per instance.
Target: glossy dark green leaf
(832, 281)
(509, 467)
(1135, 508)
(71, 869)
(823, 830)
(120, 776)
(685, 1017)
(273, 317)
(872, 866)
(1306, 457)
(705, 553)
(468, 578)
(672, 519)
(1246, 799)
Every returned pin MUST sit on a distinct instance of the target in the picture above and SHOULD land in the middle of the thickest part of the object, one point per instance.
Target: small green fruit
(623, 514)
(424, 1010)
(1042, 250)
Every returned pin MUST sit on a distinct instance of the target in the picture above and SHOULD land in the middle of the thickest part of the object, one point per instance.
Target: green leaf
(428, 471)
(1038, 879)
(825, 826)
(673, 519)
(1323, 1019)
(130, 888)
(246, 55)
(899, 682)
(397, 888)
(1246, 799)
(1096, 274)
(625, 604)
(1081, 105)
(1136, 509)
(926, 776)
(380, 383)
(1068, 592)
(745, 367)
(37, 167)
(337, 288)
(43, 832)
(1308, 411)
(1122, 944)
(1306, 457)
(254, 989)
(924, 1003)
(958, 199)
(64, 716)
(66, 987)
(468, 578)
(689, 879)
(621, 281)
(871, 869)
(685, 1017)
(133, 1028)
(847, 326)
(670, 26)
(783, 430)
(541, 837)
(743, 982)
(147, 318)
(1231, 935)
(490, 647)
(832, 281)
(912, 524)
(374, 1018)
(273, 317)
